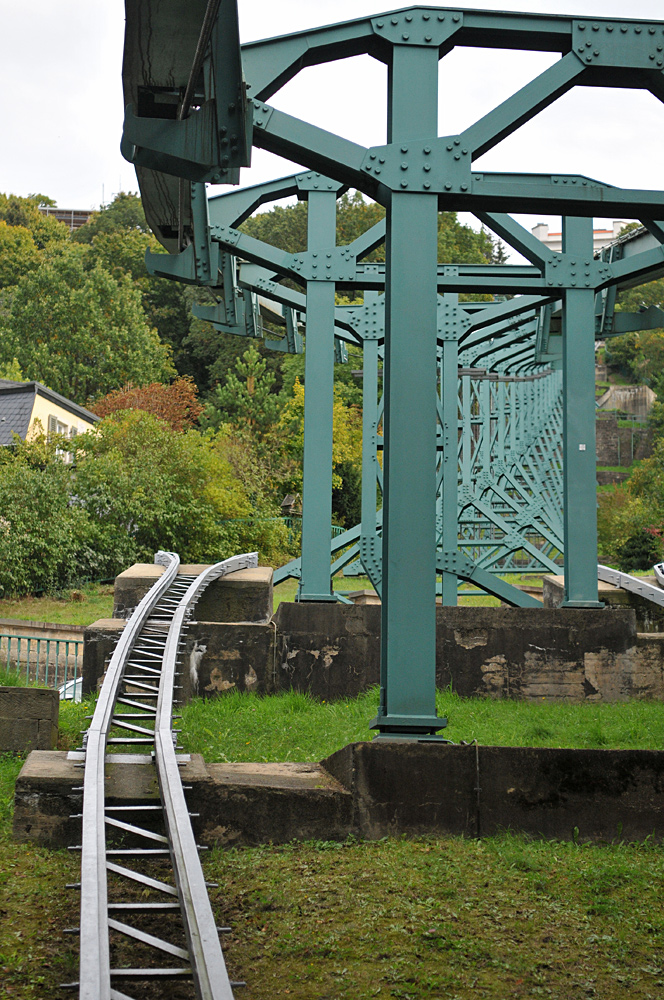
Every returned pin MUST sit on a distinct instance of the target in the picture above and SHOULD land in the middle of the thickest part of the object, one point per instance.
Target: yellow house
(26, 408)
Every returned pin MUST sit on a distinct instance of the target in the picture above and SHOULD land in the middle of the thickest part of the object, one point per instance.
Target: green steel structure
(191, 119)
(511, 324)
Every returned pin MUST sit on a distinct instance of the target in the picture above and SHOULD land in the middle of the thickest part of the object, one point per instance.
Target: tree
(176, 403)
(347, 436)
(24, 212)
(18, 254)
(124, 212)
(117, 238)
(11, 370)
(82, 332)
(160, 488)
(247, 401)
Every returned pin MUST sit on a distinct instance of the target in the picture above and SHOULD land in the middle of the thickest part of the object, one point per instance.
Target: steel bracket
(435, 166)
(452, 321)
(335, 264)
(191, 267)
(571, 271)
(424, 26)
(633, 45)
(188, 148)
(313, 181)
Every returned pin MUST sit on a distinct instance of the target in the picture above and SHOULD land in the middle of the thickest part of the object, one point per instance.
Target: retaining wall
(28, 719)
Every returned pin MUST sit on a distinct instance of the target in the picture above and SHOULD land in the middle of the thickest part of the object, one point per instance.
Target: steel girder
(415, 174)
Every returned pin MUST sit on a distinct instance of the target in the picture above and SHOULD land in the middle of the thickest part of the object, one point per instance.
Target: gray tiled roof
(15, 410)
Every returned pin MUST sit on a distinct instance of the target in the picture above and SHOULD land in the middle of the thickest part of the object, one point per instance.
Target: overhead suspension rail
(141, 678)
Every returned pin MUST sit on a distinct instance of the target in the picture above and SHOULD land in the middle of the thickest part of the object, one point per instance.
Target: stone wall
(620, 445)
(28, 719)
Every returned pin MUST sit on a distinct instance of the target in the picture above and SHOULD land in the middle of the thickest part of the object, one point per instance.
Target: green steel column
(449, 397)
(408, 631)
(580, 493)
(318, 407)
(369, 543)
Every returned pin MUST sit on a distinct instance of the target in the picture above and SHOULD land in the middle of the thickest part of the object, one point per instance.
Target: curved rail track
(125, 907)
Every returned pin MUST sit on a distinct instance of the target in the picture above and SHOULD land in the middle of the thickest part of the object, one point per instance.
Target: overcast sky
(62, 120)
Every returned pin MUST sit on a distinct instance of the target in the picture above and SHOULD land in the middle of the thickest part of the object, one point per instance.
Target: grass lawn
(435, 918)
(287, 590)
(73, 607)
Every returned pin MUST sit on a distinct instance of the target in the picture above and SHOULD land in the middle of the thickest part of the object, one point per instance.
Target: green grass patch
(35, 907)
(13, 678)
(436, 918)
(287, 590)
(74, 607)
(291, 726)
(443, 919)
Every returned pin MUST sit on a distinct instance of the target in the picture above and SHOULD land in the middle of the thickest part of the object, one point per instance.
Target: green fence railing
(47, 662)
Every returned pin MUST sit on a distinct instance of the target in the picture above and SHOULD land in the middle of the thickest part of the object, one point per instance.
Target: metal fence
(49, 662)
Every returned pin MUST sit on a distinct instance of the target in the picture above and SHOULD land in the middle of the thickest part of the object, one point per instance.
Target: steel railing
(47, 662)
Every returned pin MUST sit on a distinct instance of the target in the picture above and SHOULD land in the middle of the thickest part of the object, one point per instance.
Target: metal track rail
(141, 676)
(630, 583)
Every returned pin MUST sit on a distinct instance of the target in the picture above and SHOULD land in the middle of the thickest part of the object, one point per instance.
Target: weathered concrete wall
(375, 790)
(233, 803)
(222, 657)
(99, 641)
(28, 719)
(649, 616)
(418, 788)
(245, 596)
(333, 651)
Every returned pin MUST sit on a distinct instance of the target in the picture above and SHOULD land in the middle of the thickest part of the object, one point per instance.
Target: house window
(56, 426)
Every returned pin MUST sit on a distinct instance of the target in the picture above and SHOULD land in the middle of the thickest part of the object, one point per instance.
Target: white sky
(62, 121)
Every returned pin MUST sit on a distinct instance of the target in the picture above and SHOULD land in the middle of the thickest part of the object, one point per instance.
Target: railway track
(146, 928)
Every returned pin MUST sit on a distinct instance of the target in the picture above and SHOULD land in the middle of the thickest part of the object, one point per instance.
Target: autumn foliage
(176, 403)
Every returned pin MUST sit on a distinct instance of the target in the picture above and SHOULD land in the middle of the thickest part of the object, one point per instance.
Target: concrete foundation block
(221, 657)
(44, 800)
(374, 790)
(270, 803)
(419, 788)
(649, 616)
(236, 803)
(245, 596)
(99, 641)
(330, 650)
(28, 719)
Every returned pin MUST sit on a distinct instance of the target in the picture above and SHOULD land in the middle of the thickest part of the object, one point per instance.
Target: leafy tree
(11, 370)
(161, 488)
(18, 254)
(641, 550)
(124, 212)
(347, 497)
(176, 403)
(117, 237)
(81, 331)
(24, 212)
(47, 540)
(347, 439)
(246, 401)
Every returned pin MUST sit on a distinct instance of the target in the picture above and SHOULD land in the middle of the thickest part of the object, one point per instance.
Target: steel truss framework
(238, 312)
(207, 133)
